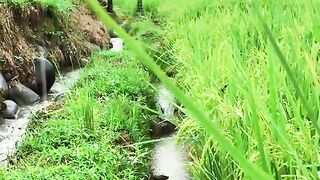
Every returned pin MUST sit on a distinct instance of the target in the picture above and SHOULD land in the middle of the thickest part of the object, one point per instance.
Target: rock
(159, 177)
(45, 75)
(58, 97)
(11, 109)
(160, 128)
(109, 45)
(94, 47)
(22, 95)
(44, 52)
(84, 62)
(4, 86)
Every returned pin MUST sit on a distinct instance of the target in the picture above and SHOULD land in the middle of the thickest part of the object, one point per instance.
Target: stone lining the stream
(12, 130)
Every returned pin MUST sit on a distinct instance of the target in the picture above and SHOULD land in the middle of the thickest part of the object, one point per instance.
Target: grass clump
(90, 136)
(119, 74)
(60, 5)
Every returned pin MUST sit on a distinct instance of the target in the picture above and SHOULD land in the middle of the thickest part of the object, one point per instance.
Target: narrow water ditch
(12, 130)
(169, 160)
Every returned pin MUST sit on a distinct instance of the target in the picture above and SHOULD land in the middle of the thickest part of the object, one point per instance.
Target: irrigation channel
(12, 130)
(168, 160)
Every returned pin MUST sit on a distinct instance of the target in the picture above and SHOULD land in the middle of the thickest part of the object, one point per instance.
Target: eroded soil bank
(31, 30)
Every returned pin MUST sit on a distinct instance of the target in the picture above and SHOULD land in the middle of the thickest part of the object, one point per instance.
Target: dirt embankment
(27, 31)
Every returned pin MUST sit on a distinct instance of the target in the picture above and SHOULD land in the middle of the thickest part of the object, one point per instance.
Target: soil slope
(31, 30)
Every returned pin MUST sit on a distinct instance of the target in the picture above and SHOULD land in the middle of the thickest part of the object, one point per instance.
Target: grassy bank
(89, 135)
(224, 58)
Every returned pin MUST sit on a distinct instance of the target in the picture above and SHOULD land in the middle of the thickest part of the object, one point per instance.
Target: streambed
(12, 130)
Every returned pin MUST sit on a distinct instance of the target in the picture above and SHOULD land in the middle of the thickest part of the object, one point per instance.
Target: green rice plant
(211, 127)
(88, 118)
(262, 114)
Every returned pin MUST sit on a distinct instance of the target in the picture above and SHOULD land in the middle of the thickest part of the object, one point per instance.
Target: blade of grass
(252, 170)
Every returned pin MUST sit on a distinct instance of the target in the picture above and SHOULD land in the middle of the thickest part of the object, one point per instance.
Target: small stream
(169, 159)
(12, 130)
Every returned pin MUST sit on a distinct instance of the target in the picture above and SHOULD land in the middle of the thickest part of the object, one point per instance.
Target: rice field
(251, 69)
(245, 75)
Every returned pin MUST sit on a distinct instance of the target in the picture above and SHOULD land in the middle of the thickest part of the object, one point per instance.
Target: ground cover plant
(89, 135)
(248, 81)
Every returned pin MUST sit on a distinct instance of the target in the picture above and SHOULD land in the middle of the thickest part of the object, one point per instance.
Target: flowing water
(12, 130)
(169, 159)
(117, 44)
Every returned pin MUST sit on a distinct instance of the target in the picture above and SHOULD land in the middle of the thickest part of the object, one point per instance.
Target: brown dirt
(66, 37)
(95, 31)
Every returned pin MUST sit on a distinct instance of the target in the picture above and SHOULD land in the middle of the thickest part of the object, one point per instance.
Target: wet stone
(159, 177)
(94, 47)
(4, 86)
(11, 109)
(162, 128)
(22, 95)
(44, 52)
(45, 75)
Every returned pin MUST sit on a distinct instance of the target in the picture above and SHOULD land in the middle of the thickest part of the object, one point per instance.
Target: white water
(117, 44)
(12, 131)
(169, 159)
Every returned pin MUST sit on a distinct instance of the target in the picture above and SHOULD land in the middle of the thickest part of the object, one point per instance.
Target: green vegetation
(249, 85)
(61, 5)
(90, 135)
(259, 88)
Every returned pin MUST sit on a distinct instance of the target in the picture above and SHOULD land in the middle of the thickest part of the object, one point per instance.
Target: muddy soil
(32, 30)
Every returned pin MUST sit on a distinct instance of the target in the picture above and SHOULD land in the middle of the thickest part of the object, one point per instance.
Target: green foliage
(60, 5)
(114, 73)
(261, 112)
(210, 126)
(86, 137)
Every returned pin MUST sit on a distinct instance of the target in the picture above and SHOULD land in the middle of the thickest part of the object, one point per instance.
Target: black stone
(109, 45)
(160, 128)
(113, 34)
(159, 177)
(45, 75)
(4, 86)
(22, 95)
(11, 109)
(94, 47)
